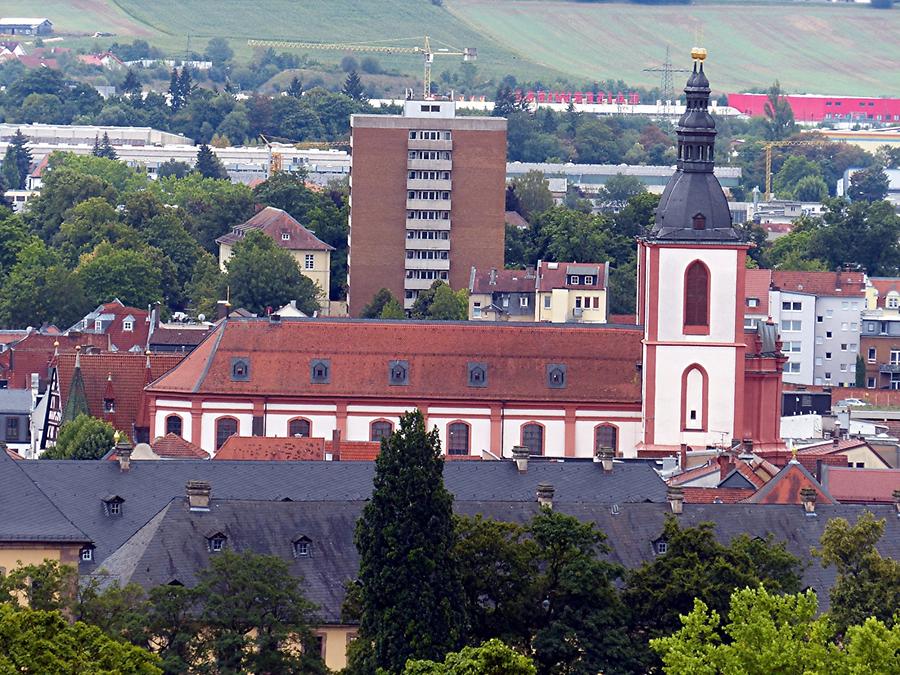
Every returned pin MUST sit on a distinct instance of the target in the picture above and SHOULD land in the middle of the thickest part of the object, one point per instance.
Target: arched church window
(696, 296)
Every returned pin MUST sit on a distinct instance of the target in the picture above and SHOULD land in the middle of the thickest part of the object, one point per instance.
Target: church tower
(691, 294)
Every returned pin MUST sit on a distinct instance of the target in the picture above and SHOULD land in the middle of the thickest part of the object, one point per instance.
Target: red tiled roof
(505, 281)
(33, 353)
(356, 451)
(624, 319)
(555, 275)
(842, 284)
(173, 446)
(829, 447)
(744, 469)
(600, 361)
(785, 487)
(694, 474)
(862, 485)
(756, 285)
(275, 222)
(884, 285)
(129, 375)
(119, 338)
(272, 449)
(702, 495)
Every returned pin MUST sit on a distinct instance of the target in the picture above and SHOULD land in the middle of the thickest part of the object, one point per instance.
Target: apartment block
(426, 200)
(880, 340)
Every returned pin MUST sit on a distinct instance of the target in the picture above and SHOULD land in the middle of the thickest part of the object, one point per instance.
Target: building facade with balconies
(426, 200)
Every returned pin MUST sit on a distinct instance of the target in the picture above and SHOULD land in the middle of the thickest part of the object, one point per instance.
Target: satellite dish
(201, 317)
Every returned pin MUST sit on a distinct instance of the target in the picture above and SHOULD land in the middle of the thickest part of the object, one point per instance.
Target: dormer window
(556, 376)
(240, 369)
(128, 325)
(98, 324)
(575, 279)
(660, 547)
(320, 371)
(285, 236)
(109, 405)
(699, 221)
(216, 542)
(398, 373)
(589, 281)
(87, 554)
(477, 375)
(302, 547)
(112, 505)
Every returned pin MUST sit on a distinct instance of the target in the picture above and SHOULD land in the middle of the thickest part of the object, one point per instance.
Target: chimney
(605, 455)
(682, 457)
(545, 493)
(808, 497)
(198, 492)
(530, 272)
(520, 454)
(493, 277)
(123, 452)
(335, 446)
(896, 495)
(725, 466)
(675, 496)
(223, 307)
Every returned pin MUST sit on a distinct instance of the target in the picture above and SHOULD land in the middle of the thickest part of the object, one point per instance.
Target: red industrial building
(810, 108)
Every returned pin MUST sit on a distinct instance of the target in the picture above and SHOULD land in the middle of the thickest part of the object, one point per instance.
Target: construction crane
(378, 47)
(666, 87)
(274, 158)
(780, 144)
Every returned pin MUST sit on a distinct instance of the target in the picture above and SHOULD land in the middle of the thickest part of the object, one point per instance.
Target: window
(458, 438)
(871, 355)
(845, 305)
(749, 324)
(870, 382)
(380, 429)
(523, 301)
(556, 376)
(112, 505)
(662, 547)
(320, 371)
(302, 547)
(791, 325)
(792, 347)
(87, 554)
(109, 405)
(699, 221)
(533, 438)
(791, 306)
(98, 324)
(820, 340)
(476, 310)
(128, 325)
(398, 373)
(299, 427)
(843, 367)
(589, 281)
(829, 313)
(173, 425)
(547, 301)
(827, 355)
(477, 374)
(820, 319)
(216, 542)
(871, 327)
(285, 236)
(792, 367)
(575, 280)
(895, 357)
(828, 334)
(240, 369)
(577, 302)
(828, 377)
(893, 300)
(752, 302)
(226, 427)
(818, 360)
(696, 296)
(845, 325)
(606, 436)
(694, 398)
(12, 428)
(308, 261)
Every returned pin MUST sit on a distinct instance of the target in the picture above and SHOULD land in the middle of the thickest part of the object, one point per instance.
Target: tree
(695, 565)
(860, 371)
(173, 168)
(620, 188)
(870, 185)
(219, 51)
(14, 237)
(253, 611)
(202, 290)
(575, 236)
(39, 641)
(376, 306)
(261, 275)
(779, 115)
(810, 189)
(48, 586)
(506, 102)
(533, 193)
(411, 596)
(119, 175)
(867, 584)
(769, 633)
(40, 288)
(208, 164)
(103, 148)
(353, 87)
(131, 85)
(795, 169)
(17, 161)
(132, 276)
(85, 437)
(448, 305)
(392, 310)
(295, 88)
(491, 658)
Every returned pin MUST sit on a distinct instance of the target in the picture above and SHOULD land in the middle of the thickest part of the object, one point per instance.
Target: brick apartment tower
(426, 200)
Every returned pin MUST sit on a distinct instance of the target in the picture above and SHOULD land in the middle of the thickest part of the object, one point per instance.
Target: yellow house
(571, 292)
(313, 255)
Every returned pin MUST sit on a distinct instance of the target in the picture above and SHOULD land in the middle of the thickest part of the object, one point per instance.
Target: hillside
(812, 48)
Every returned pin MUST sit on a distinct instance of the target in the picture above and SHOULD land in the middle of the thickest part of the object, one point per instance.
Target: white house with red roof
(126, 327)
(313, 255)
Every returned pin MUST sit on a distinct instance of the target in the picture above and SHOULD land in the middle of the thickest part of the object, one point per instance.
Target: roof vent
(198, 494)
(675, 497)
(605, 455)
(545, 493)
(520, 453)
(808, 497)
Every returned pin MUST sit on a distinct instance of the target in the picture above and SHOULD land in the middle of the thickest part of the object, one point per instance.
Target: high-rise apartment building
(426, 200)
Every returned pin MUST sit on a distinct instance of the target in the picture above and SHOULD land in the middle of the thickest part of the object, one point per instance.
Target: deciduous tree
(85, 437)
(132, 276)
(491, 658)
(870, 185)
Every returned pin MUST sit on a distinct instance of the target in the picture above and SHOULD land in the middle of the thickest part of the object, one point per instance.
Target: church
(687, 374)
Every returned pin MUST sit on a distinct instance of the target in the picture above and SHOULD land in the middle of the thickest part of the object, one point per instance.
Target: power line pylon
(665, 71)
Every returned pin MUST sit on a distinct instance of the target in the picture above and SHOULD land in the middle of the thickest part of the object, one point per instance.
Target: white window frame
(309, 261)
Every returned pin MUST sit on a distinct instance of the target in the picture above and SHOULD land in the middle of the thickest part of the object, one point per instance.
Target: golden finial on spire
(116, 437)
(698, 53)
(793, 452)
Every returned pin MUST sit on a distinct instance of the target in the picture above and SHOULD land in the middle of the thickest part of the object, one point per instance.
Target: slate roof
(173, 545)
(838, 284)
(15, 401)
(505, 281)
(275, 222)
(26, 514)
(601, 361)
(78, 487)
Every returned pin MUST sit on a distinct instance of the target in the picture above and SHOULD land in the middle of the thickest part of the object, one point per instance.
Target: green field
(813, 48)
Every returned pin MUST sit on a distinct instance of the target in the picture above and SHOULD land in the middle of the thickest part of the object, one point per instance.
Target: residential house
(106, 60)
(126, 328)
(502, 295)
(880, 339)
(862, 486)
(26, 363)
(571, 292)
(15, 418)
(313, 255)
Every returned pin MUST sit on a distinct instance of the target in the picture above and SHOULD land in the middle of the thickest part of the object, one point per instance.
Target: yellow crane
(379, 47)
(780, 144)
